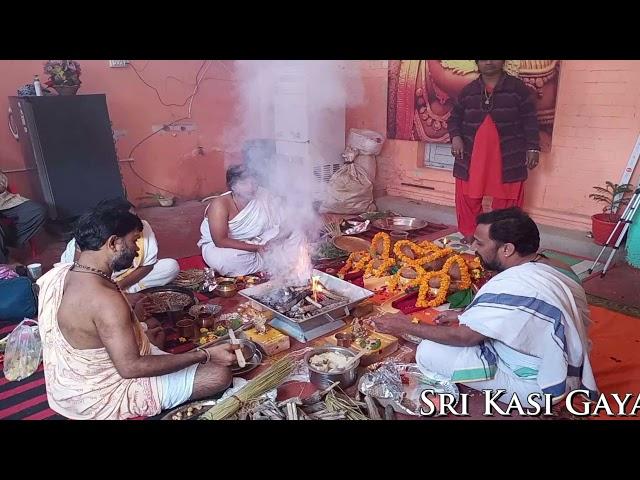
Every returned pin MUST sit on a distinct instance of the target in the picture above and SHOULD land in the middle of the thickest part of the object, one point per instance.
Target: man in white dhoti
(100, 362)
(147, 270)
(238, 226)
(526, 329)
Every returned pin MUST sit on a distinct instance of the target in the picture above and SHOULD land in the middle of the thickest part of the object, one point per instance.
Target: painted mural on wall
(422, 92)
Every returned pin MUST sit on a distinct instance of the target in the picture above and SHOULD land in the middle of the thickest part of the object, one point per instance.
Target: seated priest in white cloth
(239, 225)
(147, 270)
(526, 329)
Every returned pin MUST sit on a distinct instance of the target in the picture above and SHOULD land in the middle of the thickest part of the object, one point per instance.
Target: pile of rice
(329, 362)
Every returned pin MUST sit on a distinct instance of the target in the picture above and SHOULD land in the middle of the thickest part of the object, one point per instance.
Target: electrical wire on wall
(189, 99)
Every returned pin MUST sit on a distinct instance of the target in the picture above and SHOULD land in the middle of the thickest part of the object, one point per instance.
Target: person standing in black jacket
(494, 139)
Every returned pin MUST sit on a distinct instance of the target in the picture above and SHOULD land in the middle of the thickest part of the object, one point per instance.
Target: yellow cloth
(84, 384)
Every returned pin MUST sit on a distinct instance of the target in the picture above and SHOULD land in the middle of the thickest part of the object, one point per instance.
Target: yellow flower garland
(386, 245)
(465, 278)
(358, 265)
(382, 269)
(428, 246)
(432, 256)
(445, 281)
(395, 280)
(417, 249)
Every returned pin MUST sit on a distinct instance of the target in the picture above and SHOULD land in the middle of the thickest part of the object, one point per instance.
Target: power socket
(118, 63)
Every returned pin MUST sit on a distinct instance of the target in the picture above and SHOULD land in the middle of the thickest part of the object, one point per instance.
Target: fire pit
(308, 311)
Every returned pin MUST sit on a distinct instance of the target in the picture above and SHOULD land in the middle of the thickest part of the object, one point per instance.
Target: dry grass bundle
(263, 383)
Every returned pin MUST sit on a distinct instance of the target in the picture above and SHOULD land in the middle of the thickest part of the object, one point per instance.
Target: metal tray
(353, 293)
(406, 224)
(167, 313)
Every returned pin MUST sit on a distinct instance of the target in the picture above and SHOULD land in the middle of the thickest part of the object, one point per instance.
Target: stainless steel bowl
(400, 223)
(247, 347)
(323, 380)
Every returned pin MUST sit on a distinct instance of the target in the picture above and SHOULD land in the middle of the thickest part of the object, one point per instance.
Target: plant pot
(602, 226)
(166, 202)
(66, 89)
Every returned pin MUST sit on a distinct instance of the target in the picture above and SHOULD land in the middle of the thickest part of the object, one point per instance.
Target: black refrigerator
(69, 151)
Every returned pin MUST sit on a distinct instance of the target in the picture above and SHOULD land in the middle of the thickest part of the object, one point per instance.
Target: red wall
(169, 160)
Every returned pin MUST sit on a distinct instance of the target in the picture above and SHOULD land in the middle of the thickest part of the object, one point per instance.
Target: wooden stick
(389, 413)
(325, 291)
(312, 302)
(241, 361)
(374, 413)
(353, 360)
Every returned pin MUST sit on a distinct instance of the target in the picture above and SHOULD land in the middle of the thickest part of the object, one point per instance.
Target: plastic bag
(23, 351)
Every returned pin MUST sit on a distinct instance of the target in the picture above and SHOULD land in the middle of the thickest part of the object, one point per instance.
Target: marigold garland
(386, 245)
(445, 281)
(432, 256)
(465, 278)
(358, 265)
(396, 279)
(428, 246)
(428, 252)
(386, 264)
(415, 248)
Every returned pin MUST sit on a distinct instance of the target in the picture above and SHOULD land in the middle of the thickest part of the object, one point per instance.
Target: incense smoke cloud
(274, 97)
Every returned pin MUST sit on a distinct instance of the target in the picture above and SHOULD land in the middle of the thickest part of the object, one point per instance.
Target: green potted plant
(64, 76)
(602, 224)
(161, 199)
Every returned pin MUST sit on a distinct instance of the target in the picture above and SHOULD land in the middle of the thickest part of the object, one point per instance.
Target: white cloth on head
(256, 224)
(535, 320)
(164, 270)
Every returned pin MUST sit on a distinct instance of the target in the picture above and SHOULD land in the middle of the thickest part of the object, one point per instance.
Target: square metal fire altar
(318, 325)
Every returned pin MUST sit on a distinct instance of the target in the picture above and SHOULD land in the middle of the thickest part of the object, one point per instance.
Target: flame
(315, 287)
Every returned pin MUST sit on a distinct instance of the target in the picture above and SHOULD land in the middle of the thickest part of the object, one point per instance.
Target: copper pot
(226, 289)
(205, 321)
(345, 339)
(186, 328)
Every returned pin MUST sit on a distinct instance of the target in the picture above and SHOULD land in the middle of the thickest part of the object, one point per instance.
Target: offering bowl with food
(332, 364)
(192, 279)
(168, 302)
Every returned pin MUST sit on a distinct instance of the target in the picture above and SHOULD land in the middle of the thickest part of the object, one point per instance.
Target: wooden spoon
(234, 341)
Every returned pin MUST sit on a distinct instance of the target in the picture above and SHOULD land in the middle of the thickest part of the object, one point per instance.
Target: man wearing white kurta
(526, 329)
(147, 270)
